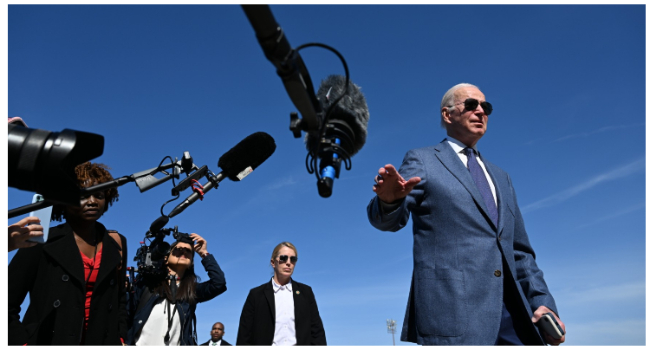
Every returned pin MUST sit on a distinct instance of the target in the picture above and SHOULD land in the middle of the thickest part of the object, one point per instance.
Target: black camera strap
(170, 316)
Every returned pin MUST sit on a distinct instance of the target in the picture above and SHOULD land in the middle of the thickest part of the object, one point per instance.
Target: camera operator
(80, 265)
(164, 313)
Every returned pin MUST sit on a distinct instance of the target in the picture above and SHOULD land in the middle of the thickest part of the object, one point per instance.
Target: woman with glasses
(281, 311)
(75, 280)
(165, 313)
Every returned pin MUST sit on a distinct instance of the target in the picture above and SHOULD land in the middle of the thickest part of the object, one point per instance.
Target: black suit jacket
(257, 321)
(223, 343)
(53, 275)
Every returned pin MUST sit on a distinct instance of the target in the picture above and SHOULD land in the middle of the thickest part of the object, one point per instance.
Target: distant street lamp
(391, 325)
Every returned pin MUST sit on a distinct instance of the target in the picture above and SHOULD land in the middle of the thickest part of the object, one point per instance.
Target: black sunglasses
(182, 251)
(472, 103)
(283, 259)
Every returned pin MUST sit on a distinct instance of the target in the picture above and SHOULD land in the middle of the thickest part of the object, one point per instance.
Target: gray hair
(448, 100)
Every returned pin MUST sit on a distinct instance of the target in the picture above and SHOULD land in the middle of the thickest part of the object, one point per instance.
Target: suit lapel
(270, 298)
(298, 307)
(501, 206)
(110, 256)
(450, 160)
(65, 252)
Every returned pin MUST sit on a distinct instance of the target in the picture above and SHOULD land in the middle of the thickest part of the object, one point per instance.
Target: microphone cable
(311, 162)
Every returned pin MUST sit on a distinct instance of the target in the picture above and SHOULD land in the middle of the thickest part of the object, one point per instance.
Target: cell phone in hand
(44, 215)
(550, 326)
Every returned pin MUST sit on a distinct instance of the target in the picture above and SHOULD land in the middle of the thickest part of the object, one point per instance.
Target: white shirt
(459, 148)
(285, 319)
(155, 327)
(217, 343)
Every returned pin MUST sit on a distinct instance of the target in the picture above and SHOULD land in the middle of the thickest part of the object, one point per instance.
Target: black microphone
(157, 225)
(288, 63)
(346, 129)
(236, 164)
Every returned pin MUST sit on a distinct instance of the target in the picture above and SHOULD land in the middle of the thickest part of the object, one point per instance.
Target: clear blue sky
(568, 88)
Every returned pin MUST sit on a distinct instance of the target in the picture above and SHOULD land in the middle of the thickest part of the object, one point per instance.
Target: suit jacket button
(497, 273)
(65, 278)
(57, 303)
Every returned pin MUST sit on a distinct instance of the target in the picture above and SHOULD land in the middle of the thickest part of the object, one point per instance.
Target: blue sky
(568, 88)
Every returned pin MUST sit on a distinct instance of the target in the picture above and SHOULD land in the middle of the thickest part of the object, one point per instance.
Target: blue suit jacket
(458, 253)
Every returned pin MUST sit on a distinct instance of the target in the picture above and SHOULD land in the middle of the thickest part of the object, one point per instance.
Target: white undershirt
(154, 330)
(459, 148)
(285, 320)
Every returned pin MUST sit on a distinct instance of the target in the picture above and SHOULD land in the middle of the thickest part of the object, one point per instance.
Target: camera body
(151, 259)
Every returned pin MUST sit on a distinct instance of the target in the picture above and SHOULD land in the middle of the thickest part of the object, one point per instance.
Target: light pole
(391, 325)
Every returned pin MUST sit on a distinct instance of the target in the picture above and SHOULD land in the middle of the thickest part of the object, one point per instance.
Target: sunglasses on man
(283, 259)
(472, 103)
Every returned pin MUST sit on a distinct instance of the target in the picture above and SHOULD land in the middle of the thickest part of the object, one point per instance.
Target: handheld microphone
(236, 164)
(345, 129)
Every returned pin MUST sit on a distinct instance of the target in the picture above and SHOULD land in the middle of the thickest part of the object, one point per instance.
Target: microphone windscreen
(351, 109)
(247, 155)
(158, 224)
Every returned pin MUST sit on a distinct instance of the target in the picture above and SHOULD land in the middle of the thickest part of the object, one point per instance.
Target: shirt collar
(458, 146)
(277, 287)
(218, 342)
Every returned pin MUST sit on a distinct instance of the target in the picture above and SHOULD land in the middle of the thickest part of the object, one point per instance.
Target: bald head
(217, 331)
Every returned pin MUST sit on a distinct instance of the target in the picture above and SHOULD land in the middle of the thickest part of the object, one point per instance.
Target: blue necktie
(482, 183)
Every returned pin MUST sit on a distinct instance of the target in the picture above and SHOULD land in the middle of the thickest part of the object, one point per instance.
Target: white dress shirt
(217, 343)
(285, 319)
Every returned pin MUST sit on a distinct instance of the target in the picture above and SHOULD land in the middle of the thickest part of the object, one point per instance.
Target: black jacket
(204, 291)
(223, 343)
(53, 275)
(257, 321)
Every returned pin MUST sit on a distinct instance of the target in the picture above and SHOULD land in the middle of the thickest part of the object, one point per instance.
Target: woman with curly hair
(75, 280)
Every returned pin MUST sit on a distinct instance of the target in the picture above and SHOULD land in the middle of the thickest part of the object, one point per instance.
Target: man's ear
(445, 114)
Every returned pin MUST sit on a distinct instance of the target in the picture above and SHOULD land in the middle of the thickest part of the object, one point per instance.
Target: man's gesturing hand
(390, 186)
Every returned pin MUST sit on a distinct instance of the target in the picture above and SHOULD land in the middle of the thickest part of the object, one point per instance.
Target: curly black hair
(89, 174)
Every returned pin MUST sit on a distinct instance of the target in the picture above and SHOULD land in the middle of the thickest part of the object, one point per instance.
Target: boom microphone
(345, 129)
(236, 164)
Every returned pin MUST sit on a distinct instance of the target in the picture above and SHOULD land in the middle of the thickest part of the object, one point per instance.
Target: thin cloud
(624, 171)
(598, 131)
(614, 215)
(607, 294)
(283, 183)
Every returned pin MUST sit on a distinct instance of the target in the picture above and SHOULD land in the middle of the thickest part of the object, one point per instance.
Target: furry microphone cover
(351, 109)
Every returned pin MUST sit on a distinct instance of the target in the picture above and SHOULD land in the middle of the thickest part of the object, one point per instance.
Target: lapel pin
(298, 292)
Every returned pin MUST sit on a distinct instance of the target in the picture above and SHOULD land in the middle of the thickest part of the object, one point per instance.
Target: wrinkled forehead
(464, 93)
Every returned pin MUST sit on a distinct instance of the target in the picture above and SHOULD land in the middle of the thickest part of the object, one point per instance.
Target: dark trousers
(516, 327)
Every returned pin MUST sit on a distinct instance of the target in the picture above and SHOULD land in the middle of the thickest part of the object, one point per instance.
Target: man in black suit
(216, 336)
(281, 311)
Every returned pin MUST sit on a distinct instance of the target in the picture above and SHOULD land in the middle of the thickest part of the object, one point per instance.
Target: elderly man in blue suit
(475, 280)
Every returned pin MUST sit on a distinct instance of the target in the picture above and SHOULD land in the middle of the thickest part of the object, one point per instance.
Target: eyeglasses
(182, 251)
(283, 259)
(472, 103)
